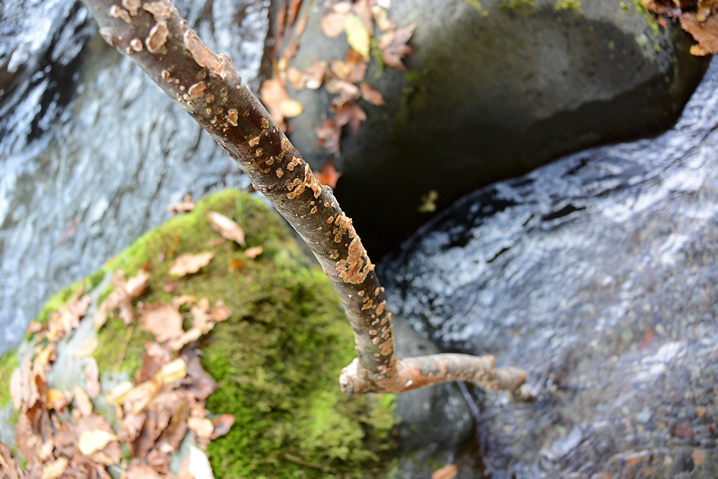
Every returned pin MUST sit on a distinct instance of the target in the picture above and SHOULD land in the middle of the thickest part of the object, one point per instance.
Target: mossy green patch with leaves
(8, 362)
(278, 357)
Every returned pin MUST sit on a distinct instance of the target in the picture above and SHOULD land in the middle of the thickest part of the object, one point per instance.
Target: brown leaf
(121, 297)
(58, 400)
(350, 113)
(142, 472)
(132, 425)
(201, 382)
(446, 472)
(315, 75)
(329, 135)
(706, 33)
(301, 25)
(357, 66)
(95, 440)
(363, 11)
(329, 175)
(372, 95)
(139, 397)
(382, 19)
(333, 24)
(222, 426)
(228, 228)
(347, 91)
(190, 263)
(67, 318)
(296, 78)
(82, 401)
(55, 469)
(237, 265)
(8, 466)
(253, 252)
(294, 6)
(164, 321)
(34, 327)
(92, 378)
(203, 427)
(184, 206)
(394, 47)
(272, 93)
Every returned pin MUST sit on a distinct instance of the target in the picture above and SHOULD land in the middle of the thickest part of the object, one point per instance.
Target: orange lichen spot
(280, 173)
(197, 90)
(158, 10)
(208, 111)
(117, 12)
(367, 305)
(183, 88)
(376, 340)
(270, 161)
(259, 152)
(295, 162)
(326, 205)
(265, 123)
(381, 307)
(286, 146)
(357, 266)
(165, 75)
(232, 116)
(343, 226)
(314, 210)
(136, 44)
(132, 5)
(157, 37)
(310, 181)
(377, 291)
(202, 55)
(330, 220)
(334, 256)
(209, 98)
(254, 141)
(372, 332)
(361, 293)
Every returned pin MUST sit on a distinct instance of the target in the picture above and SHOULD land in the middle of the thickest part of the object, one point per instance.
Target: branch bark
(208, 87)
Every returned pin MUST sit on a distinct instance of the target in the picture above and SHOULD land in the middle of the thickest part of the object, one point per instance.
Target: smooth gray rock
(491, 97)
(596, 274)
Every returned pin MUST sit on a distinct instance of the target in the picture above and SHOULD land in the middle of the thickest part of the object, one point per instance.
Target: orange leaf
(705, 33)
(226, 227)
(371, 94)
(394, 47)
(164, 321)
(329, 175)
(446, 472)
(253, 252)
(333, 24)
(329, 135)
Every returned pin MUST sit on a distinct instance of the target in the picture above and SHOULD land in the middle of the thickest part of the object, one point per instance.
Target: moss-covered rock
(277, 358)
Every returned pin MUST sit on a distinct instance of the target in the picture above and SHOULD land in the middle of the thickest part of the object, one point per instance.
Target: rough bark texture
(208, 87)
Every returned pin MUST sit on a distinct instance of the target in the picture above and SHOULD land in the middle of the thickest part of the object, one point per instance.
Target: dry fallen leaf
(357, 35)
(237, 265)
(143, 472)
(329, 175)
(55, 469)
(222, 425)
(272, 93)
(382, 19)
(291, 108)
(87, 348)
(121, 297)
(394, 47)
(92, 378)
(228, 228)
(82, 401)
(315, 75)
(140, 396)
(253, 252)
(372, 95)
(333, 24)
(705, 33)
(190, 263)
(296, 78)
(172, 372)
(117, 394)
(347, 91)
(184, 206)
(446, 472)
(329, 137)
(58, 400)
(350, 113)
(294, 6)
(201, 426)
(164, 321)
(34, 327)
(93, 441)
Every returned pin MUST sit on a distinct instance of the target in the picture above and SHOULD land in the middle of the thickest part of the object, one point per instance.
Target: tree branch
(208, 87)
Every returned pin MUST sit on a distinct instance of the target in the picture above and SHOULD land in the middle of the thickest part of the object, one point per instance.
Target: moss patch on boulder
(278, 357)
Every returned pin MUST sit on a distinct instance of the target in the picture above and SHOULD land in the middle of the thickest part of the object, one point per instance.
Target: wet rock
(549, 271)
(436, 422)
(491, 93)
(91, 151)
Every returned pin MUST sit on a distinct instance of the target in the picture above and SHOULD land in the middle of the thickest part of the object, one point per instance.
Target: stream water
(91, 151)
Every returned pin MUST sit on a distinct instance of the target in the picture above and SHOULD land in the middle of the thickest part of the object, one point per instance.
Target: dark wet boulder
(597, 274)
(492, 92)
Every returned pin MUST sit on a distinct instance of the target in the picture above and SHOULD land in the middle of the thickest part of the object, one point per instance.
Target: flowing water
(91, 151)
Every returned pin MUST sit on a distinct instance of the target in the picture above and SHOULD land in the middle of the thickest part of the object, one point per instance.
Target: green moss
(650, 19)
(572, 5)
(8, 362)
(477, 5)
(518, 6)
(277, 358)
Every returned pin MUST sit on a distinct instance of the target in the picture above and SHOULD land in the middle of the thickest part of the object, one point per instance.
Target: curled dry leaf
(184, 206)
(92, 378)
(228, 228)
(140, 396)
(121, 297)
(329, 175)
(382, 18)
(350, 113)
(67, 318)
(143, 471)
(201, 426)
(34, 327)
(394, 46)
(272, 93)
(190, 263)
(164, 321)
(87, 348)
(363, 11)
(58, 400)
(347, 91)
(117, 394)
(55, 469)
(253, 252)
(222, 425)
(372, 95)
(296, 78)
(332, 24)
(705, 33)
(93, 441)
